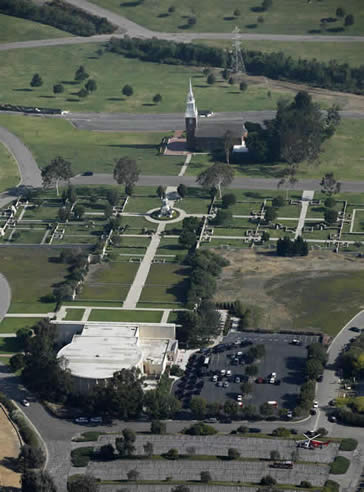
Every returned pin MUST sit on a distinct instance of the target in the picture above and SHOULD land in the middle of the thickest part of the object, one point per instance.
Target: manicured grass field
(335, 297)
(9, 173)
(57, 64)
(285, 16)
(351, 53)
(12, 325)
(31, 276)
(342, 154)
(121, 315)
(89, 151)
(15, 29)
(166, 283)
(74, 314)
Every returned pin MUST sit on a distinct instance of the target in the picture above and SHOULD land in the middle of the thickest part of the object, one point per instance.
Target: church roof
(212, 129)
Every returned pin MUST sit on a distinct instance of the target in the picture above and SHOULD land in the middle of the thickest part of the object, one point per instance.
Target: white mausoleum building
(94, 350)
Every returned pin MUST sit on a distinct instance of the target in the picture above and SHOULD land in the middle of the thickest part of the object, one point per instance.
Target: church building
(207, 135)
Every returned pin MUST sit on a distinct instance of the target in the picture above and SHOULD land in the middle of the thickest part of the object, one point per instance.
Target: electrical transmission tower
(238, 65)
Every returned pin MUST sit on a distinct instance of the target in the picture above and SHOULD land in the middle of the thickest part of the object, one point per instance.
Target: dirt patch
(9, 450)
(293, 293)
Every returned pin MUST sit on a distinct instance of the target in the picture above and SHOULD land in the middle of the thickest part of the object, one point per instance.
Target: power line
(238, 65)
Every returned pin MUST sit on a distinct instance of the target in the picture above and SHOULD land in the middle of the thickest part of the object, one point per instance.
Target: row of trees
(58, 14)
(289, 247)
(276, 65)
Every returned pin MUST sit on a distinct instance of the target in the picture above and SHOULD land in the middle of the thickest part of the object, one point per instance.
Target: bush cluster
(289, 247)
(58, 14)
(276, 65)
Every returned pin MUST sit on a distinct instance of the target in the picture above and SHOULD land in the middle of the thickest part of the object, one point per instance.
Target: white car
(214, 378)
(237, 379)
(226, 384)
(228, 372)
(315, 404)
(239, 398)
(26, 403)
(223, 372)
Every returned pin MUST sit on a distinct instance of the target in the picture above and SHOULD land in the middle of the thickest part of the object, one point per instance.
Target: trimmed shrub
(81, 456)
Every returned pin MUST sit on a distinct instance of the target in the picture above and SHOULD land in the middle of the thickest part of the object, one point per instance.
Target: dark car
(320, 378)
(355, 329)
(88, 173)
(225, 420)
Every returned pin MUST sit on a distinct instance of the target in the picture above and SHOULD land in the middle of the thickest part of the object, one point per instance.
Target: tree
(129, 189)
(23, 335)
(113, 196)
(17, 362)
(133, 475)
(330, 202)
(274, 455)
(158, 427)
(228, 143)
(127, 90)
(216, 176)
(278, 202)
(91, 85)
(330, 216)
(161, 191)
(267, 4)
(211, 79)
(126, 171)
(83, 92)
(266, 409)
(243, 86)
(81, 74)
(236, 13)
(228, 200)
(205, 476)
(157, 99)
(63, 292)
(182, 190)
(36, 80)
(270, 214)
(148, 449)
(83, 483)
(230, 408)
(107, 452)
(37, 481)
(31, 457)
(78, 211)
(191, 21)
(108, 211)
(64, 213)
(251, 370)
(246, 387)
(349, 20)
(223, 217)
(340, 12)
(172, 454)
(329, 184)
(268, 480)
(198, 406)
(187, 239)
(233, 453)
(314, 368)
(58, 170)
(231, 81)
(58, 89)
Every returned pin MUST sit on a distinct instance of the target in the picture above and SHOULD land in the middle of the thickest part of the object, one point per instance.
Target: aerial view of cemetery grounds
(181, 246)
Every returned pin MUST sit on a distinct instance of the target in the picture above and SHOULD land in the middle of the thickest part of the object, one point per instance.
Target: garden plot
(137, 225)
(232, 471)
(24, 235)
(141, 204)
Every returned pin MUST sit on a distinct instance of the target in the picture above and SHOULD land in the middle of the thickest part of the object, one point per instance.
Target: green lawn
(57, 64)
(12, 325)
(74, 314)
(89, 151)
(166, 283)
(28, 236)
(343, 154)
(351, 53)
(121, 315)
(15, 29)
(9, 172)
(31, 274)
(286, 16)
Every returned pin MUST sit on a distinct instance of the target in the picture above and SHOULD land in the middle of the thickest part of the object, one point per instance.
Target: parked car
(313, 411)
(296, 341)
(88, 173)
(223, 372)
(220, 384)
(332, 418)
(228, 372)
(239, 397)
(81, 420)
(355, 329)
(226, 384)
(211, 420)
(96, 420)
(289, 414)
(25, 402)
(225, 420)
(320, 378)
(315, 404)
(237, 379)
(259, 380)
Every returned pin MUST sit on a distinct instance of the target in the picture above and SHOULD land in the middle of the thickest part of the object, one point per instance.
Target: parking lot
(281, 357)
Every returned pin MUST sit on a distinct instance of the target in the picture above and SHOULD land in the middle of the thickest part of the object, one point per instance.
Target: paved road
(168, 121)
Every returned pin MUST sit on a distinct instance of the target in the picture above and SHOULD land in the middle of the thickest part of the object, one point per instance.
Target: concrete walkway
(5, 296)
(306, 197)
(185, 165)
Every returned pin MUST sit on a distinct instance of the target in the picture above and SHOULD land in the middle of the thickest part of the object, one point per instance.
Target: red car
(259, 380)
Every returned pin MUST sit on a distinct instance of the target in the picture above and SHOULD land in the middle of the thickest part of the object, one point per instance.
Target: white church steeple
(191, 109)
